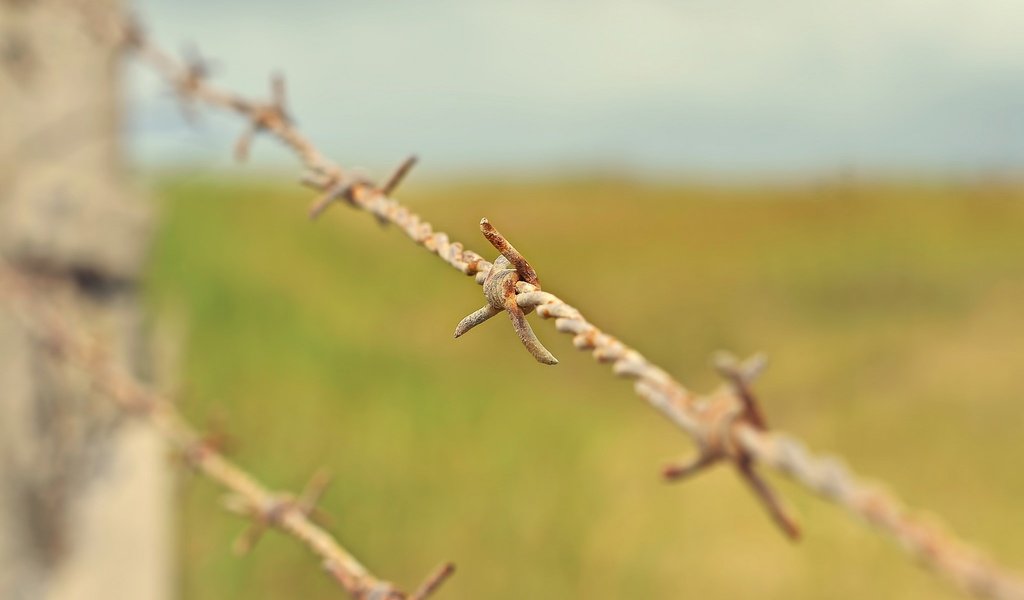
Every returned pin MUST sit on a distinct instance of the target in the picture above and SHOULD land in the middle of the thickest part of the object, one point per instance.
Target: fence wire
(25, 297)
(727, 425)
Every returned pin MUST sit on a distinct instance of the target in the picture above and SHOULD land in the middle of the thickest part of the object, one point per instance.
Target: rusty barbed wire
(295, 516)
(727, 424)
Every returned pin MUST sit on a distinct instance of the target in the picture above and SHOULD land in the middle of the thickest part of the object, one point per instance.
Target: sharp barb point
(399, 175)
(769, 499)
(683, 470)
(475, 318)
(434, 581)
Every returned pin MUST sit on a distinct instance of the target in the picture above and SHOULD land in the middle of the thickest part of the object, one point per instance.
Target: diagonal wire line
(726, 425)
(292, 515)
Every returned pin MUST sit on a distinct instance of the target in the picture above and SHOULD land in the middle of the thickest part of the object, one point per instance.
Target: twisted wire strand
(826, 476)
(76, 348)
(716, 422)
(938, 550)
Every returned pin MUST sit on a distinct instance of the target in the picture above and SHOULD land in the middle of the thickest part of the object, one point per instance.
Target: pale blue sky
(701, 87)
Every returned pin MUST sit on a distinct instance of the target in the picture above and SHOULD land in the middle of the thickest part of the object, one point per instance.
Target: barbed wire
(727, 425)
(26, 298)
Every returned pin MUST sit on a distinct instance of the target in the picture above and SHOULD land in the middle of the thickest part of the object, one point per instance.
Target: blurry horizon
(701, 90)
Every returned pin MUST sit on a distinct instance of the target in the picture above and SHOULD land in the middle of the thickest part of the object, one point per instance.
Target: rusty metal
(726, 425)
(502, 245)
(270, 514)
(500, 291)
(333, 185)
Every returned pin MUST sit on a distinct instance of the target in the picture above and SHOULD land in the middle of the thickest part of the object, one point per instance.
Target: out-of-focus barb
(721, 415)
(298, 517)
(396, 178)
(433, 582)
(197, 69)
(215, 438)
(500, 291)
(741, 375)
(336, 186)
(270, 513)
(268, 116)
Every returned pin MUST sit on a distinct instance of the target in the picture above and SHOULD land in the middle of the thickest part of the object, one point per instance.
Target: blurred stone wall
(84, 495)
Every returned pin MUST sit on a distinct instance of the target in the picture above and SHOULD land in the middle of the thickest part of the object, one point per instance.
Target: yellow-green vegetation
(893, 316)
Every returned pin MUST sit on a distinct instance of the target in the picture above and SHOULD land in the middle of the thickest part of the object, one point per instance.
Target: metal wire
(727, 425)
(292, 515)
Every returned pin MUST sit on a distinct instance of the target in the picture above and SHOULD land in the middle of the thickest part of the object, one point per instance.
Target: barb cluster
(271, 513)
(268, 116)
(727, 425)
(723, 414)
(333, 186)
(500, 291)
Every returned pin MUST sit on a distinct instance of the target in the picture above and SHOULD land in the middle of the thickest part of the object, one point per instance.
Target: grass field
(893, 315)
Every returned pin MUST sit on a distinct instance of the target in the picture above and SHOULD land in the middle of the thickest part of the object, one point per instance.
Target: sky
(718, 88)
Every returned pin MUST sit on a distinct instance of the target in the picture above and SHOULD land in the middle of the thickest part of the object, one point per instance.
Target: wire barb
(741, 375)
(336, 186)
(769, 499)
(332, 189)
(270, 116)
(432, 583)
(309, 499)
(720, 417)
(398, 175)
(271, 513)
(216, 440)
(502, 245)
(500, 291)
(197, 70)
(681, 470)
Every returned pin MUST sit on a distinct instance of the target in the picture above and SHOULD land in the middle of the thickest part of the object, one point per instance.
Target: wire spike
(434, 581)
(502, 245)
(741, 376)
(500, 291)
(682, 470)
(769, 499)
(399, 174)
(247, 540)
(314, 491)
(324, 201)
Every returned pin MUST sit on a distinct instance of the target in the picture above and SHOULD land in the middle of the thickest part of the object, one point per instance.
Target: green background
(891, 312)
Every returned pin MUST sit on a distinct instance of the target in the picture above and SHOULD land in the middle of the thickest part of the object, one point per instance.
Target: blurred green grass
(892, 314)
